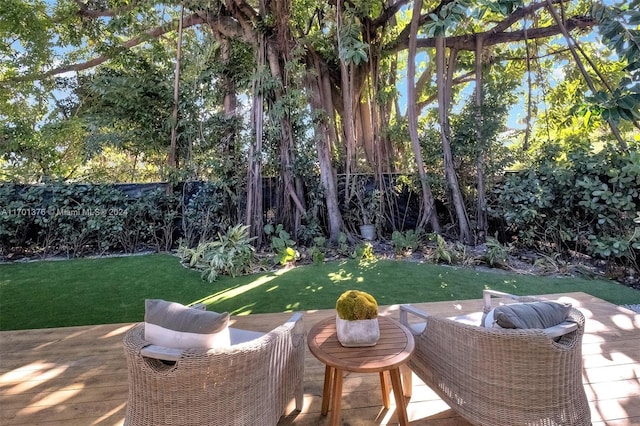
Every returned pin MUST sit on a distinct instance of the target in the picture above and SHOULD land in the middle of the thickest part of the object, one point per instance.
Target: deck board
(77, 375)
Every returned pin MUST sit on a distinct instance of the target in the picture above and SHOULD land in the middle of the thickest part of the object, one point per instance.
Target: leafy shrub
(443, 251)
(318, 250)
(281, 243)
(203, 213)
(405, 241)
(150, 221)
(584, 202)
(364, 251)
(231, 254)
(343, 248)
(497, 253)
(18, 216)
(80, 219)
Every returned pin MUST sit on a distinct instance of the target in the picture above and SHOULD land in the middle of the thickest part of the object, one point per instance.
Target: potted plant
(357, 319)
(368, 204)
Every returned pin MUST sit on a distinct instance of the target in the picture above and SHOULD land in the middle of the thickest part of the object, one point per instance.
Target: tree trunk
(347, 85)
(449, 168)
(173, 163)
(230, 102)
(481, 202)
(254, 179)
(321, 105)
(427, 210)
(292, 206)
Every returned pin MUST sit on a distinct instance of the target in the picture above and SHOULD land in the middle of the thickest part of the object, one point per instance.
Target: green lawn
(112, 290)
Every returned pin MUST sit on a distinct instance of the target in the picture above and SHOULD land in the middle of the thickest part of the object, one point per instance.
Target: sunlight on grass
(65, 293)
(233, 292)
(293, 306)
(340, 275)
(243, 310)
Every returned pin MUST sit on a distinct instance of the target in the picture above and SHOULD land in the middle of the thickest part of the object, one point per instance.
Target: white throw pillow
(177, 326)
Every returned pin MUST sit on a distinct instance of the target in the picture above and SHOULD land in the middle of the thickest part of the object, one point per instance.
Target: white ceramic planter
(357, 333)
(368, 232)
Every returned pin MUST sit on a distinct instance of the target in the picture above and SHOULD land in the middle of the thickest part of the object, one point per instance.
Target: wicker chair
(245, 384)
(494, 376)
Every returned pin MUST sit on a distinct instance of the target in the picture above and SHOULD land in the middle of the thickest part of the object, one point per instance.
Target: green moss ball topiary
(356, 305)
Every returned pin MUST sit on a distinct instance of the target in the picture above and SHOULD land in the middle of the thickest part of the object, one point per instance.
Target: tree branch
(467, 42)
(189, 21)
(497, 34)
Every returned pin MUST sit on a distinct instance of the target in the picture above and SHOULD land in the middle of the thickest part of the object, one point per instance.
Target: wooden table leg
(407, 380)
(384, 385)
(326, 390)
(336, 397)
(396, 384)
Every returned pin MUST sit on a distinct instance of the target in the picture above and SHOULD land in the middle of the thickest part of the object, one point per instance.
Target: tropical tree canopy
(450, 94)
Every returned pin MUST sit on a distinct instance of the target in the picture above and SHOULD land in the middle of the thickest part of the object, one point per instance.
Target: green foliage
(355, 305)
(159, 214)
(343, 244)
(549, 264)
(24, 25)
(449, 16)
(84, 214)
(497, 253)
(364, 252)
(352, 49)
(231, 254)
(204, 212)
(584, 202)
(364, 206)
(318, 250)
(408, 240)
(619, 28)
(16, 220)
(282, 244)
(77, 220)
(128, 106)
(443, 251)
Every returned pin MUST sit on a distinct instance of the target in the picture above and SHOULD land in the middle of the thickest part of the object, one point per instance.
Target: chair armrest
(561, 329)
(295, 317)
(488, 294)
(298, 333)
(161, 352)
(409, 309)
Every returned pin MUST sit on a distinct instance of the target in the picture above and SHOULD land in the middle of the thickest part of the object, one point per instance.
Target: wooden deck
(77, 375)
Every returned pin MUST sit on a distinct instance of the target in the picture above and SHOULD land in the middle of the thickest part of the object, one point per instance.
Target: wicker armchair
(245, 384)
(494, 376)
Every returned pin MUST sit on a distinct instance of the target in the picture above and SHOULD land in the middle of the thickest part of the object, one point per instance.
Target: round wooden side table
(392, 350)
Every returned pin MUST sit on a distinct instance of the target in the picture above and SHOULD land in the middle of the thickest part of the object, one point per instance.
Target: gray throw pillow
(177, 326)
(542, 314)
